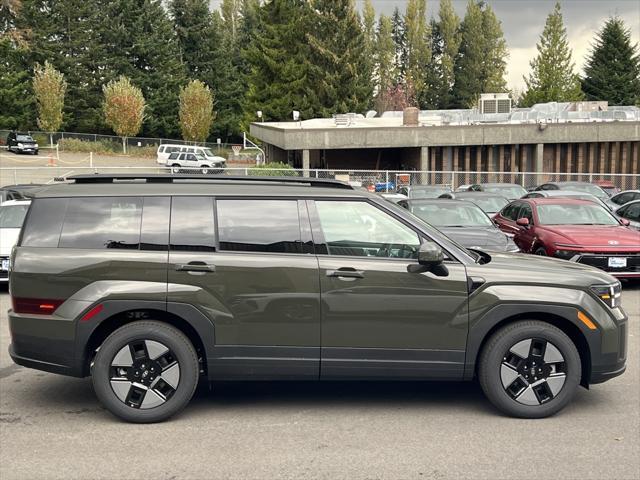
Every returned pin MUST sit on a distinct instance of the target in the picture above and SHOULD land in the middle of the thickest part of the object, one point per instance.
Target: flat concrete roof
(320, 134)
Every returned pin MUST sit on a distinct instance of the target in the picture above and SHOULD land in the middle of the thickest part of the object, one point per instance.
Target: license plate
(617, 262)
(5, 265)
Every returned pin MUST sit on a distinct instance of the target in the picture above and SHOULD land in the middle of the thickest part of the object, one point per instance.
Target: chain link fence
(111, 142)
(378, 180)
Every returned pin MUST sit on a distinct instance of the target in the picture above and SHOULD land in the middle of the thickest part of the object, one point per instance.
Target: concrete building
(567, 138)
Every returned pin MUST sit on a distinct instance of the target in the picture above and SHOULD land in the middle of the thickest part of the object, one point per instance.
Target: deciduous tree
(49, 88)
(124, 108)
(196, 111)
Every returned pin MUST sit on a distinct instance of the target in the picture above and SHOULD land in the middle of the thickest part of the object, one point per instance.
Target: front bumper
(601, 261)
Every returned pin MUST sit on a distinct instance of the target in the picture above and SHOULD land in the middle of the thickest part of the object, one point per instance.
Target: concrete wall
(295, 138)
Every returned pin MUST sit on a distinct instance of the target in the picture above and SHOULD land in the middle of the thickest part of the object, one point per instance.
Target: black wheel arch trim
(198, 322)
(502, 314)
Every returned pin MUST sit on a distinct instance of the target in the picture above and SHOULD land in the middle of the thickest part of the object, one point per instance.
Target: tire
(166, 398)
(175, 168)
(540, 251)
(205, 169)
(506, 386)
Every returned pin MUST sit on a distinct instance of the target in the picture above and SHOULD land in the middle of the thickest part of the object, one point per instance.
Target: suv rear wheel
(145, 372)
(529, 369)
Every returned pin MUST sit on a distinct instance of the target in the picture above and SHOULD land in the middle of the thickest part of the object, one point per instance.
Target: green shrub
(86, 146)
(273, 169)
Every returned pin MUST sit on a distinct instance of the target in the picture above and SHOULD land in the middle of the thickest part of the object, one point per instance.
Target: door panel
(265, 304)
(379, 320)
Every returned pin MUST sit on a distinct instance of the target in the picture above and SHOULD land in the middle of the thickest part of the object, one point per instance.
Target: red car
(576, 230)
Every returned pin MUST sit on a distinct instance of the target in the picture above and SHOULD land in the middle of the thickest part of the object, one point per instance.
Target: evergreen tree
(480, 64)
(65, 33)
(612, 71)
(418, 45)
(140, 42)
(369, 32)
(196, 37)
(400, 40)
(385, 72)
(552, 78)
(16, 97)
(278, 82)
(445, 35)
(338, 70)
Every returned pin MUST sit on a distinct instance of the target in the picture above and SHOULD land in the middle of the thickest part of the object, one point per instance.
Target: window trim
(298, 201)
(321, 244)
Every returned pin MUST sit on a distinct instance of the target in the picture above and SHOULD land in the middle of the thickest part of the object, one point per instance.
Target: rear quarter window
(44, 222)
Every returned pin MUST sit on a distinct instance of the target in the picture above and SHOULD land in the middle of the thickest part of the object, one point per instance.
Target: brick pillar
(478, 163)
(569, 166)
(615, 147)
(592, 157)
(467, 163)
(501, 162)
(556, 163)
(603, 158)
(513, 161)
(623, 157)
(580, 158)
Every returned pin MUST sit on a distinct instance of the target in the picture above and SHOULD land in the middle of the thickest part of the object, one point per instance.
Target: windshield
(200, 157)
(568, 214)
(24, 138)
(509, 191)
(489, 204)
(587, 187)
(12, 216)
(428, 192)
(207, 152)
(454, 215)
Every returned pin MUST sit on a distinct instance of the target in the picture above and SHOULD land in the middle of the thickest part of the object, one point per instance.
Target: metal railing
(382, 180)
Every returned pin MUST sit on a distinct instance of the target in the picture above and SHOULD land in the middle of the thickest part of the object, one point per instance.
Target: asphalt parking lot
(53, 427)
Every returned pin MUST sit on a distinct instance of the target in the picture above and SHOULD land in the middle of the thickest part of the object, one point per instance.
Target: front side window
(511, 211)
(259, 226)
(360, 229)
(105, 222)
(526, 212)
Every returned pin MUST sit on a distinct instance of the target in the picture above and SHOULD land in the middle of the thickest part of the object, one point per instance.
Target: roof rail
(184, 178)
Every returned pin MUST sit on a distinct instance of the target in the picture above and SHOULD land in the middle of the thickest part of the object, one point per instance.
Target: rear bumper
(40, 364)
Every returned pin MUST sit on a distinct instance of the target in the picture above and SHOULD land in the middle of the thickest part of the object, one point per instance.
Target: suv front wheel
(145, 372)
(529, 369)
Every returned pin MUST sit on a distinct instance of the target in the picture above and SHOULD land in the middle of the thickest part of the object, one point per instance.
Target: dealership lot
(53, 427)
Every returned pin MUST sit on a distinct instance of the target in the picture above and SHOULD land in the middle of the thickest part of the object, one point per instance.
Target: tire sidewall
(165, 334)
(492, 360)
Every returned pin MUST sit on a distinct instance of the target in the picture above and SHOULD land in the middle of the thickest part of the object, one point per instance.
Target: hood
(8, 238)
(533, 269)
(587, 236)
(477, 237)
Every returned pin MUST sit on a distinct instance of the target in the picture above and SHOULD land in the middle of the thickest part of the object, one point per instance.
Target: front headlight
(609, 294)
(35, 145)
(20, 145)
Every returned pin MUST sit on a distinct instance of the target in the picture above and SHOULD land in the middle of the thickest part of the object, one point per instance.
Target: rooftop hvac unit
(495, 103)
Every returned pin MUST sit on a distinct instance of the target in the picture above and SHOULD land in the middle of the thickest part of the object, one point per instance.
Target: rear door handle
(195, 267)
(350, 273)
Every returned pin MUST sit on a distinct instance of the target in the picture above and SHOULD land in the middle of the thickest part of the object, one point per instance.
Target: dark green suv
(149, 283)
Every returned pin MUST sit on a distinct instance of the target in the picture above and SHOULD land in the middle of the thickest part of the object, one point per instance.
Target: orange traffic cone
(50, 162)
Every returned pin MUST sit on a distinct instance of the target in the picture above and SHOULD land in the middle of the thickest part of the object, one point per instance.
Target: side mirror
(625, 222)
(430, 259)
(523, 222)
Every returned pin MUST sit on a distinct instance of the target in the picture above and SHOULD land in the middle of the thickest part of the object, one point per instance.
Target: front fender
(499, 304)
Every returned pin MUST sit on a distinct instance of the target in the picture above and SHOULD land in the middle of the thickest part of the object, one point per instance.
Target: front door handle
(195, 267)
(345, 273)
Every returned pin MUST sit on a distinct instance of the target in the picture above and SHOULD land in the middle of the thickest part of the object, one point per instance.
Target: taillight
(38, 306)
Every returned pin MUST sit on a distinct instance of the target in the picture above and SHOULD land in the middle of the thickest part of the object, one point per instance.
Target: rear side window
(106, 222)
(259, 226)
(192, 225)
(44, 222)
(154, 234)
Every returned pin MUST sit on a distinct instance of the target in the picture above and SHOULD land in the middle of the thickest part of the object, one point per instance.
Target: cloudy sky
(523, 21)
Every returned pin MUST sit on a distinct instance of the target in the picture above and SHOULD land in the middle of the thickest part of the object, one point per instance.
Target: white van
(212, 160)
